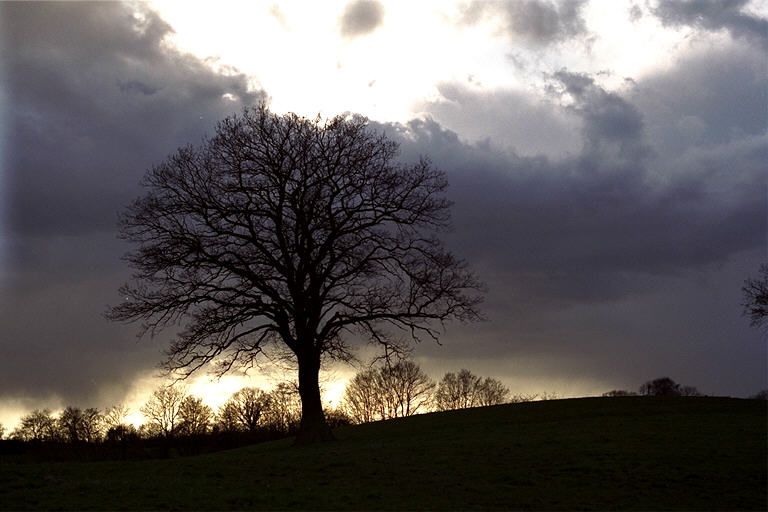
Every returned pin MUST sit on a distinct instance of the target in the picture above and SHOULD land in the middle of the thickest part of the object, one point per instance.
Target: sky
(606, 160)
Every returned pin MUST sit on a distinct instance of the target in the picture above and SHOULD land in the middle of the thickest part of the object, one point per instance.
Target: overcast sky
(606, 159)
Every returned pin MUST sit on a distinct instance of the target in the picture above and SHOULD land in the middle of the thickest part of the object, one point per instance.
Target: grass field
(593, 453)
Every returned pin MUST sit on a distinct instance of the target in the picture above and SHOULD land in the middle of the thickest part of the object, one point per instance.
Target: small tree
(115, 416)
(38, 425)
(755, 302)
(362, 400)
(244, 408)
(393, 391)
(194, 416)
(406, 389)
(285, 409)
(2, 430)
(491, 392)
(283, 231)
(523, 397)
(663, 386)
(457, 390)
(162, 410)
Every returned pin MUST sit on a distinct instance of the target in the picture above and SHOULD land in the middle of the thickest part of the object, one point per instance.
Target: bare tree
(194, 416)
(755, 292)
(245, 407)
(226, 419)
(405, 388)
(282, 231)
(162, 410)
(457, 390)
(77, 425)
(392, 391)
(115, 416)
(115, 425)
(38, 425)
(523, 397)
(285, 408)
(491, 392)
(361, 397)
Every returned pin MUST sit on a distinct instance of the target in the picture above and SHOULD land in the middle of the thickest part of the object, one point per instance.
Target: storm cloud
(727, 15)
(94, 99)
(535, 22)
(613, 226)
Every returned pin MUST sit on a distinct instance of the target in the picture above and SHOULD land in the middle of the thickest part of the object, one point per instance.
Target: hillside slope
(596, 453)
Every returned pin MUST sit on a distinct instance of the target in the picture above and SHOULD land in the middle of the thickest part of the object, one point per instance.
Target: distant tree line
(403, 389)
(664, 386)
(175, 423)
(172, 415)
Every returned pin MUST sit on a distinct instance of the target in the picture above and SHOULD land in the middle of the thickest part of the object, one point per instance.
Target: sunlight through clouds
(601, 155)
(297, 53)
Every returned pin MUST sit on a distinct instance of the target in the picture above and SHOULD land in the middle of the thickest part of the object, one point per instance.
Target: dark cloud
(537, 22)
(93, 98)
(724, 15)
(623, 261)
(713, 97)
(89, 84)
(361, 17)
(615, 259)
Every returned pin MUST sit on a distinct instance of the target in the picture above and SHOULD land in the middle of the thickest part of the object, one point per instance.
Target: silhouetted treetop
(755, 303)
(285, 231)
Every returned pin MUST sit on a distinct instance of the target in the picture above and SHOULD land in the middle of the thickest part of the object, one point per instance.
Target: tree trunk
(313, 428)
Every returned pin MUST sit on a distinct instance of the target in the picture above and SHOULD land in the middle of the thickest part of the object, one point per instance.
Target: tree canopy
(285, 232)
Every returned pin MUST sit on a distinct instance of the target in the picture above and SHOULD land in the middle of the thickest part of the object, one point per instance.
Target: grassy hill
(593, 453)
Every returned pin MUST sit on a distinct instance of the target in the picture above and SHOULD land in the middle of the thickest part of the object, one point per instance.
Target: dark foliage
(665, 386)
(619, 392)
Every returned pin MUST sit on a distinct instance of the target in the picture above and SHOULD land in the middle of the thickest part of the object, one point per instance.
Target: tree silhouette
(282, 231)
(491, 392)
(362, 399)
(115, 416)
(244, 409)
(77, 425)
(194, 416)
(393, 391)
(457, 390)
(663, 386)
(162, 410)
(406, 389)
(284, 411)
(38, 425)
(619, 392)
(755, 292)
